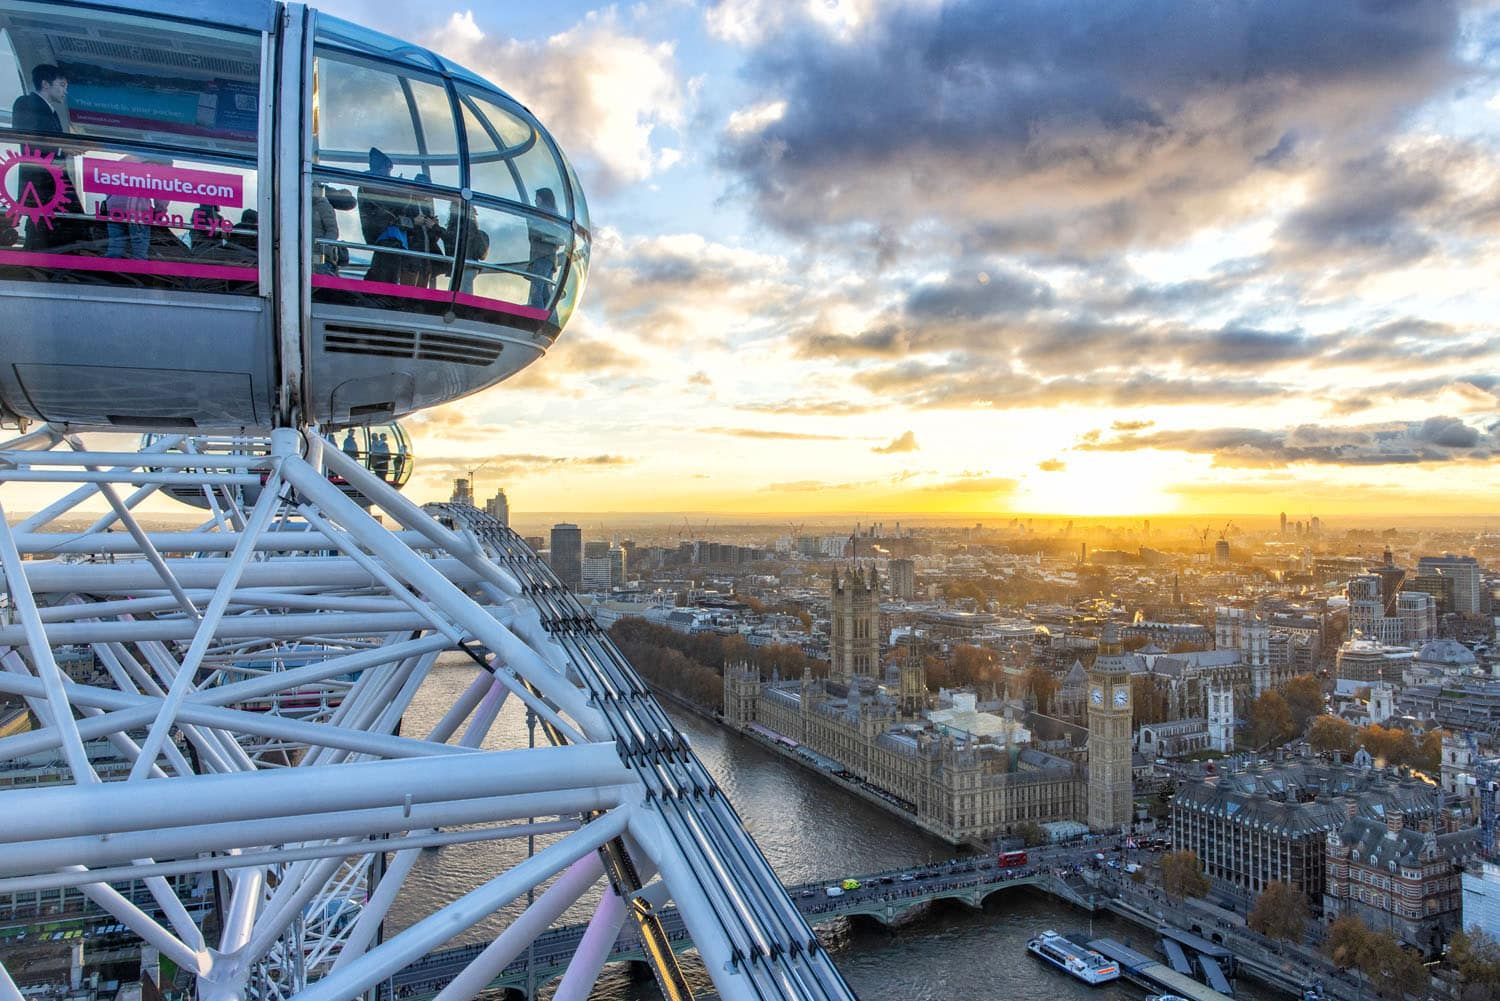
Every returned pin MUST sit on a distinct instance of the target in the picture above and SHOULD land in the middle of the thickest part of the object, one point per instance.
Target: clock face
(1122, 698)
(1097, 696)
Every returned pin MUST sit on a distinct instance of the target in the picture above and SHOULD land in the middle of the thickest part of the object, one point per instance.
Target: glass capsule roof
(500, 132)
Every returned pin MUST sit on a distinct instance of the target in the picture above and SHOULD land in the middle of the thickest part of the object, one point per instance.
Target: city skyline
(847, 261)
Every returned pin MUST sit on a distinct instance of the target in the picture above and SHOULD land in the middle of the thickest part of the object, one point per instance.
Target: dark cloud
(1436, 439)
(1047, 125)
(967, 382)
(659, 288)
(983, 296)
(1391, 208)
(905, 443)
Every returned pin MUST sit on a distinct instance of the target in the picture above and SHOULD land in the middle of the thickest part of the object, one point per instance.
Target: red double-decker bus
(1012, 859)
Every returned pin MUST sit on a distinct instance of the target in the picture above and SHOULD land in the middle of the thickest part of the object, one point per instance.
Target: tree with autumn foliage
(1270, 720)
(1474, 955)
(1376, 957)
(1182, 875)
(1329, 734)
(1280, 912)
(1304, 698)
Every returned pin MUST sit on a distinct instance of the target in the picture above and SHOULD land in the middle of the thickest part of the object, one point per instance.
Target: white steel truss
(250, 677)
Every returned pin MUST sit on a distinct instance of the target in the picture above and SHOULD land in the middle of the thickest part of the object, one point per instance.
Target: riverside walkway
(888, 897)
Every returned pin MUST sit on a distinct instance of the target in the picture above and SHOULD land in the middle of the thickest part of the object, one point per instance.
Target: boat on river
(1076, 960)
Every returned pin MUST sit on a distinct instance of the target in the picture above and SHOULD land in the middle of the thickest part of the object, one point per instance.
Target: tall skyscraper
(1468, 586)
(462, 492)
(1110, 790)
(903, 579)
(567, 554)
(1283, 524)
(498, 507)
(854, 631)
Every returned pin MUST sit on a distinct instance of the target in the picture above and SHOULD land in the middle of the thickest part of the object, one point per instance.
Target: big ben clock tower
(1109, 791)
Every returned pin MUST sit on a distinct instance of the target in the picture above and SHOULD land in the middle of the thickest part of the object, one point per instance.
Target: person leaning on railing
(385, 220)
(327, 203)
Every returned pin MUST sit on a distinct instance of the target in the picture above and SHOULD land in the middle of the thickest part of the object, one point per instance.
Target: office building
(903, 579)
(462, 492)
(567, 555)
(1418, 613)
(1440, 587)
(1400, 879)
(1259, 825)
(1468, 585)
(1481, 904)
(498, 507)
(596, 575)
(1362, 662)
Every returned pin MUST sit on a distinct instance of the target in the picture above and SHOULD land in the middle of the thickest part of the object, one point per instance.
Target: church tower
(1221, 718)
(741, 692)
(913, 686)
(1110, 792)
(854, 631)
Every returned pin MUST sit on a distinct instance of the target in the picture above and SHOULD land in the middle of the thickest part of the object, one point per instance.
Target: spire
(1109, 643)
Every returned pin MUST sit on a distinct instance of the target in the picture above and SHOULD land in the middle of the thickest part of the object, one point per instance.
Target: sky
(956, 256)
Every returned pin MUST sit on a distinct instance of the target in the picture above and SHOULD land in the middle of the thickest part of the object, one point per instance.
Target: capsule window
(155, 185)
(514, 258)
(510, 158)
(388, 124)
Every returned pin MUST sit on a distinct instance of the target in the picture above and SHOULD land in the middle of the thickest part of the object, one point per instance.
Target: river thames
(810, 829)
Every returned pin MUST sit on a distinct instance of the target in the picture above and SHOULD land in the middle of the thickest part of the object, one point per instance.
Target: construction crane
(476, 470)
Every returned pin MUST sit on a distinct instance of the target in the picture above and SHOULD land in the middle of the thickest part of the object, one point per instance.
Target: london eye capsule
(230, 216)
(383, 449)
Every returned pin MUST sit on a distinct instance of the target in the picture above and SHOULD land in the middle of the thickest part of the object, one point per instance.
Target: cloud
(1045, 125)
(1052, 465)
(1130, 425)
(601, 91)
(809, 486)
(510, 466)
(963, 381)
(905, 443)
(747, 22)
(767, 435)
(1436, 439)
(1394, 207)
(974, 484)
(680, 288)
(809, 408)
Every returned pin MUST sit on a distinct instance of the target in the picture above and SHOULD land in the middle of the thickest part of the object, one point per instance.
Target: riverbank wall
(848, 785)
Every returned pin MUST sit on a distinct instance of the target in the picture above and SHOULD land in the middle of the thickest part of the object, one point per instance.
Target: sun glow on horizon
(1098, 486)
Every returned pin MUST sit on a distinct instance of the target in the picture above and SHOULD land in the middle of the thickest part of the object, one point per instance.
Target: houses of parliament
(962, 774)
